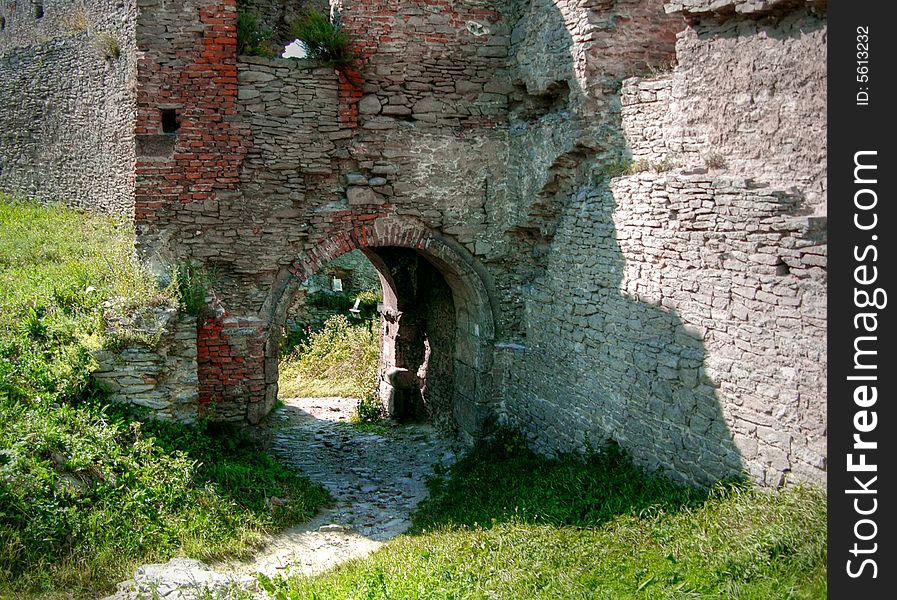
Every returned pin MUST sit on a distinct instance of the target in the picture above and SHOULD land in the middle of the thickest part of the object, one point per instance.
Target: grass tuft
(324, 39)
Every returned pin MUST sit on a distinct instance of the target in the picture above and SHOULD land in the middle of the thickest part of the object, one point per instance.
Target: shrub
(323, 39)
(252, 38)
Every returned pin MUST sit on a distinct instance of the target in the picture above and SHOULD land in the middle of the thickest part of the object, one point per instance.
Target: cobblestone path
(376, 481)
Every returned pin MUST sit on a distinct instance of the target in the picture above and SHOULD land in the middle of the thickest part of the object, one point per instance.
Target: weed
(117, 341)
(714, 160)
(664, 67)
(77, 19)
(622, 166)
(107, 45)
(664, 165)
(324, 39)
(192, 282)
(252, 38)
(637, 166)
(368, 409)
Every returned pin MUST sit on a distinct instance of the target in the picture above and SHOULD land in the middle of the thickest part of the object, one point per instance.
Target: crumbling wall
(67, 103)
(161, 376)
(611, 278)
(682, 307)
(747, 95)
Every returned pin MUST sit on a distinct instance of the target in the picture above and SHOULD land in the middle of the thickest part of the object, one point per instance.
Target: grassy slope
(508, 524)
(86, 492)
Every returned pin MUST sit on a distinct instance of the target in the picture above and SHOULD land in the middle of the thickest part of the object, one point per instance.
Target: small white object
(295, 49)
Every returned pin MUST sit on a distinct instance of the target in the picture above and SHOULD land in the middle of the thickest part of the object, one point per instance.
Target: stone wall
(679, 310)
(682, 313)
(67, 105)
(747, 96)
(162, 377)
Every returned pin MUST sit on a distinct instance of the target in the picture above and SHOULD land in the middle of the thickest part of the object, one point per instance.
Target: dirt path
(376, 481)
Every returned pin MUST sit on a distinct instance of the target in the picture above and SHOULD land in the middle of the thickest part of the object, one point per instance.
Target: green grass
(87, 491)
(339, 360)
(505, 523)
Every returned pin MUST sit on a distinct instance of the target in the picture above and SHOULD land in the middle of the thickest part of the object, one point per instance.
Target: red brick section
(230, 357)
(196, 74)
(362, 232)
(351, 83)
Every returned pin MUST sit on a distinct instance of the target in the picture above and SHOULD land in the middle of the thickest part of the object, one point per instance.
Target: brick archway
(472, 302)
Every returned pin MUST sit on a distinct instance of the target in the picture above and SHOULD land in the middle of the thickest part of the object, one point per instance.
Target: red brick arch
(473, 302)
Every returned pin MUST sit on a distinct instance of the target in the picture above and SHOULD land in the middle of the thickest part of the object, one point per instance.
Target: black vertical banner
(862, 226)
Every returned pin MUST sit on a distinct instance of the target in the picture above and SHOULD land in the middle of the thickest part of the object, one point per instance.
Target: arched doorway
(437, 329)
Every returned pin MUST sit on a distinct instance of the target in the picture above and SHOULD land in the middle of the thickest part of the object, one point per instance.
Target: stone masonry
(161, 376)
(67, 104)
(592, 219)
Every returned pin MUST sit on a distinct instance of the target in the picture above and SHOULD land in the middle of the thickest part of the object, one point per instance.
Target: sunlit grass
(339, 360)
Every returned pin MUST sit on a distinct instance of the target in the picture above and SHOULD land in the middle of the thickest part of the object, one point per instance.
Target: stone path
(376, 482)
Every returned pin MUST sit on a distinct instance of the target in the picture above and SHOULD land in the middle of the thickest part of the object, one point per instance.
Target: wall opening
(38, 10)
(378, 325)
(170, 123)
(330, 343)
(436, 330)
(418, 338)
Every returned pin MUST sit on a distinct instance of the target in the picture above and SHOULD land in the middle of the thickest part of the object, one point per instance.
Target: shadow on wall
(603, 359)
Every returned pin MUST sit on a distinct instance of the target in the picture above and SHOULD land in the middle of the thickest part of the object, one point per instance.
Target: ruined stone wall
(161, 377)
(678, 312)
(682, 313)
(67, 103)
(190, 152)
(747, 95)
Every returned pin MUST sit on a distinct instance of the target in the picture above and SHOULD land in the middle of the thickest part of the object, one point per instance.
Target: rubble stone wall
(162, 378)
(682, 308)
(67, 103)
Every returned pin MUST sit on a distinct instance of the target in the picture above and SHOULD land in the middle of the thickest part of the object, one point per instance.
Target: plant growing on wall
(324, 40)
(107, 45)
(252, 37)
(192, 283)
